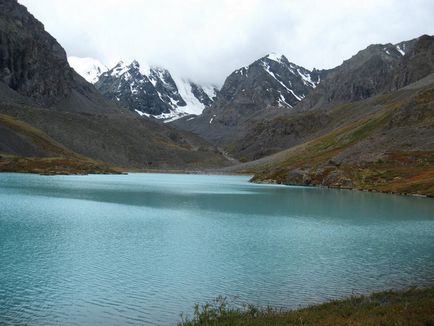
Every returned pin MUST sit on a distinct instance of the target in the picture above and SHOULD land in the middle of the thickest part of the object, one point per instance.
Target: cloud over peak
(205, 40)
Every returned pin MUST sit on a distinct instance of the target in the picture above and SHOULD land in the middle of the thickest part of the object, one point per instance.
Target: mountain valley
(364, 124)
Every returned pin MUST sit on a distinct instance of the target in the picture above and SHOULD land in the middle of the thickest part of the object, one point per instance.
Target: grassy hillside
(411, 307)
(390, 149)
(44, 155)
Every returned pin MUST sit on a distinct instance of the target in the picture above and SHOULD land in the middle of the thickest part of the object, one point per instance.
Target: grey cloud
(205, 40)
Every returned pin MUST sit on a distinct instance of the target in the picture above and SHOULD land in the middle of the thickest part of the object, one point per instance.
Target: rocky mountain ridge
(148, 91)
(270, 86)
(250, 130)
(270, 81)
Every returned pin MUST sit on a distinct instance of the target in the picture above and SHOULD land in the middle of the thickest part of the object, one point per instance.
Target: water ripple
(141, 249)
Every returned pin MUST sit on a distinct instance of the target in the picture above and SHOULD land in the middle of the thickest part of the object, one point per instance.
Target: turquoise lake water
(140, 249)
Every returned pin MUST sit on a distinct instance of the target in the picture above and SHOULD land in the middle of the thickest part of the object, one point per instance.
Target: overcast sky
(205, 40)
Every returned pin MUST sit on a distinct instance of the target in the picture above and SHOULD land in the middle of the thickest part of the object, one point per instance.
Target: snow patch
(307, 80)
(242, 71)
(89, 68)
(194, 106)
(401, 51)
(210, 91)
(295, 95)
(386, 50)
(212, 119)
(267, 68)
(275, 57)
(142, 113)
(120, 69)
(282, 102)
(144, 69)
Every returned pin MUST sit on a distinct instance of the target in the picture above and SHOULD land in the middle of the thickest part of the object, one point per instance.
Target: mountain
(368, 125)
(370, 72)
(271, 85)
(377, 70)
(147, 91)
(269, 81)
(32, 63)
(383, 143)
(89, 68)
(250, 131)
(46, 106)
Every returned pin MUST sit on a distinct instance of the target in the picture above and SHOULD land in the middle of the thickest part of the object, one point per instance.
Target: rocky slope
(391, 149)
(374, 70)
(38, 88)
(269, 86)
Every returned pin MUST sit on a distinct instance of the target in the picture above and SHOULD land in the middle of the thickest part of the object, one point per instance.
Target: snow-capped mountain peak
(88, 68)
(119, 69)
(275, 57)
(271, 81)
(148, 90)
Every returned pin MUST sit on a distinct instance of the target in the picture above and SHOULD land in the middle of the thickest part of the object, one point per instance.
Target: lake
(142, 248)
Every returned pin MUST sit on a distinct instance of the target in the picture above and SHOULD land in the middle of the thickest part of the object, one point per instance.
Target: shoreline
(123, 171)
(408, 306)
(344, 188)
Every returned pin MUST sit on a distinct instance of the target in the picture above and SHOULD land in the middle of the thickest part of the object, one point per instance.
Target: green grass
(36, 136)
(411, 307)
(322, 149)
(57, 160)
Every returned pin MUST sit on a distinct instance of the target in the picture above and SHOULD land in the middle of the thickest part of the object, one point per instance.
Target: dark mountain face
(31, 61)
(166, 87)
(259, 91)
(34, 68)
(269, 81)
(153, 93)
(126, 85)
(378, 69)
(417, 63)
(205, 98)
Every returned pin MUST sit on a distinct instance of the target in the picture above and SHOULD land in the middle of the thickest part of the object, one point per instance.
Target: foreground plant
(411, 307)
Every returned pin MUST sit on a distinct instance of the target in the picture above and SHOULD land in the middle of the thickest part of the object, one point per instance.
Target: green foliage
(411, 307)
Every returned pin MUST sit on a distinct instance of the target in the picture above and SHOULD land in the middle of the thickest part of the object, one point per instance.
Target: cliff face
(378, 69)
(31, 61)
(417, 63)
